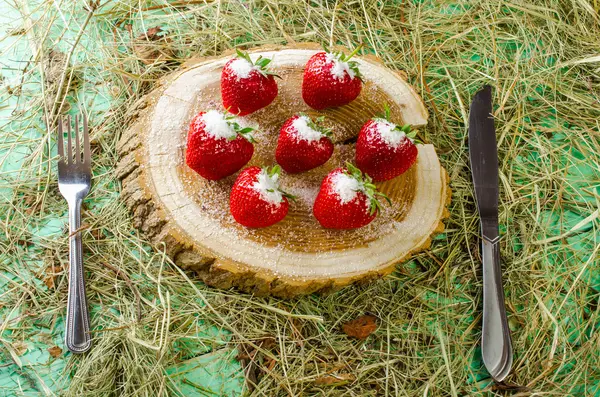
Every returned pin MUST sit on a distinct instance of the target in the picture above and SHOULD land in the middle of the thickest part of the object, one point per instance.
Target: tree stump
(189, 216)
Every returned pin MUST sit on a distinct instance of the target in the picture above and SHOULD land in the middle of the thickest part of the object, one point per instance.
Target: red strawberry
(385, 150)
(256, 200)
(217, 146)
(246, 86)
(303, 144)
(331, 80)
(347, 199)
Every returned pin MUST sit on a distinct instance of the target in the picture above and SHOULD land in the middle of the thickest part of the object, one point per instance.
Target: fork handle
(77, 332)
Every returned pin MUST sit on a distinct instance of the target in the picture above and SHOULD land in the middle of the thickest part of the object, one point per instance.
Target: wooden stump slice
(189, 216)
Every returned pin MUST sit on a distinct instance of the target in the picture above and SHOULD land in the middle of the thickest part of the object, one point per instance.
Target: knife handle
(496, 348)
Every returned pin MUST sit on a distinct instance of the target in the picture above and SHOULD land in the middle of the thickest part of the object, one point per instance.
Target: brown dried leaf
(253, 362)
(97, 233)
(151, 34)
(152, 46)
(49, 281)
(508, 386)
(55, 351)
(24, 242)
(270, 363)
(334, 379)
(16, 32)
(50, 275)
(31, 204)
(54, 64)
(361, 327)
(267, 343)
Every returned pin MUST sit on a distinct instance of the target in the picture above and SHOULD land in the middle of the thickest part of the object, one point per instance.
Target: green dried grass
(542, 60)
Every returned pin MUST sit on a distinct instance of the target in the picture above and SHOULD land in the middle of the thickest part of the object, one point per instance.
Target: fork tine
(69, 141)
(61, 145)
(77, 140)
(86, 140)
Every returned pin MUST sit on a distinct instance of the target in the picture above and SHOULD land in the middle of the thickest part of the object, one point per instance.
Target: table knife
(496, 348)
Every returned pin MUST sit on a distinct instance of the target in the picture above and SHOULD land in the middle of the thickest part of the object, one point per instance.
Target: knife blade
(496, 349)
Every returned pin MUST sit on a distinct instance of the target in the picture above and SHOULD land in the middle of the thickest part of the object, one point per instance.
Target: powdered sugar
(304, 131)
(268, 187)
(305, 189)
(241, 68)
(346, 187)
(217, 126)
(339, 68)
(388, 133)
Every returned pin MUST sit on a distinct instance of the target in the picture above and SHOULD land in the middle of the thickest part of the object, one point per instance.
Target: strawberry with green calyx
(331, 80)
(303, 144)
(256, 199)
(342, 57)
(247, 86)
(385, 150)
(217, 145)
(347, 199)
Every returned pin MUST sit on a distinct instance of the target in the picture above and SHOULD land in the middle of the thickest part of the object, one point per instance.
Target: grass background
(159, 332)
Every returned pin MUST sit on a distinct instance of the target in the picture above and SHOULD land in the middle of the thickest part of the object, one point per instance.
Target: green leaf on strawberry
(317, 125)
(275, 170)
(410, 133)
(243, 55)
(387, 113)
(244, 132)
(261, 63)
(405, 129)
(273, 173)
(353, 65)
(342, 57)
(368, 188)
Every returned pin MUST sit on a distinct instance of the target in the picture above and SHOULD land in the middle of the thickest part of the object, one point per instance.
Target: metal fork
(74, 182)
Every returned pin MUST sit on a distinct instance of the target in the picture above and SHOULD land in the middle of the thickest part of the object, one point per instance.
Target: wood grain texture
(189, 217)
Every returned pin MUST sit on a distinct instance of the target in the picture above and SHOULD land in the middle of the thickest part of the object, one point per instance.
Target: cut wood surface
(189, 216)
